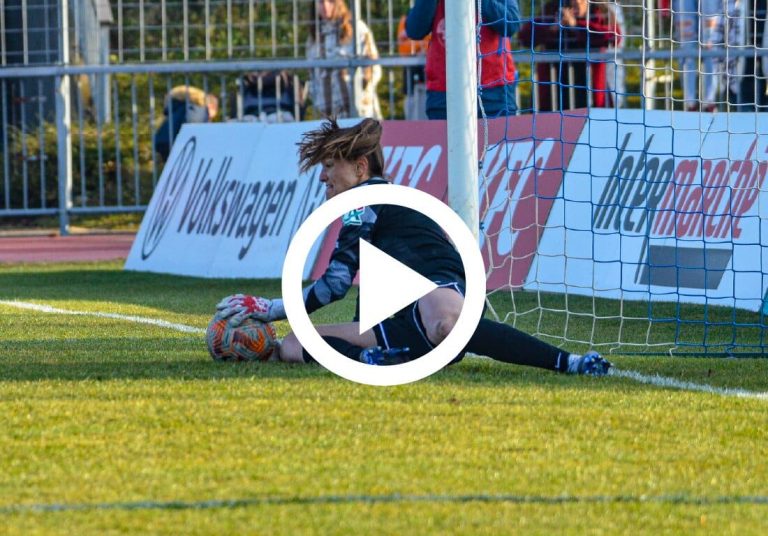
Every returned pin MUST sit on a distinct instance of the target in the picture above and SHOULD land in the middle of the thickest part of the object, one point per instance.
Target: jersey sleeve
(345, 260)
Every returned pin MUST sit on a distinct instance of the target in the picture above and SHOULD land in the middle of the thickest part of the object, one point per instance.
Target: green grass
(107, 412)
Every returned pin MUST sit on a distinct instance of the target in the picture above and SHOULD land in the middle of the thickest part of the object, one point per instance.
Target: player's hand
(238, 307)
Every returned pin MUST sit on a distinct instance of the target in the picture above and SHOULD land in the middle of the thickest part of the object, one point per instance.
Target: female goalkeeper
(351, 158)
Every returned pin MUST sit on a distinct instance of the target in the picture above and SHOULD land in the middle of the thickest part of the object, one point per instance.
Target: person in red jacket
(500, 20)
(566, 27)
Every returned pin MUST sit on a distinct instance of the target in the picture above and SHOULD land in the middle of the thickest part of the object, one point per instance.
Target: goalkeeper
(350, 158)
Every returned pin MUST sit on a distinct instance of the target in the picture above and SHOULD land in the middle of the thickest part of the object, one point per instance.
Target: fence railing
(90, 149)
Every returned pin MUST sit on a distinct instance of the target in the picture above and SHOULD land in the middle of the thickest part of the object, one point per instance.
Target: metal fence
(83, 82)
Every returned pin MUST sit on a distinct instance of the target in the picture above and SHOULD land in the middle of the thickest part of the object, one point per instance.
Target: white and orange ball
(252, 340)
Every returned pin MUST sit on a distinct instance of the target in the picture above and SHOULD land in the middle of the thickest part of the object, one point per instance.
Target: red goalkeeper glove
(238, 307)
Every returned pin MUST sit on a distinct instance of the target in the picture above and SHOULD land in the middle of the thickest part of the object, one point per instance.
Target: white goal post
(461, 89)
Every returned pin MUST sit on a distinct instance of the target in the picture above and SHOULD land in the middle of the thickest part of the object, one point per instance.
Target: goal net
(624, 207)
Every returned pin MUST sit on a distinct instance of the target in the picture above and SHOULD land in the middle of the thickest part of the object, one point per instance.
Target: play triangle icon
(386, 286)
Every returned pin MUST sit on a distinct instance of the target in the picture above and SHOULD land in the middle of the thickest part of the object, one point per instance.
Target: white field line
(662, 381)
(659, 381)
(129, 318)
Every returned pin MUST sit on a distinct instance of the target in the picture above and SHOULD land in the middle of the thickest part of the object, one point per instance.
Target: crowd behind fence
(126, 56)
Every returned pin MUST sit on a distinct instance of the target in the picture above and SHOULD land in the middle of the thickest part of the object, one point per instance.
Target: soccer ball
(252, 340)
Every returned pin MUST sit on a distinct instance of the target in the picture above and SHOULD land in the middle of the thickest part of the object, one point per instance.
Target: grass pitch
(109, 426)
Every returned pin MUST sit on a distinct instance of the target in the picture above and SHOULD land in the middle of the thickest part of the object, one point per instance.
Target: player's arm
(345, 260)
(332, 285)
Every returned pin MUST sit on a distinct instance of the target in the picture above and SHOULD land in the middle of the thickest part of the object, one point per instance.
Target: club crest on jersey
(353, 217)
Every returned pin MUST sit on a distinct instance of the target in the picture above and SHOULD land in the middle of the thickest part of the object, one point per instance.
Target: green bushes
(108, 167)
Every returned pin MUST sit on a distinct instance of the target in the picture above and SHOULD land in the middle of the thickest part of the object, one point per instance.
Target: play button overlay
(386, 286)
(387, 282)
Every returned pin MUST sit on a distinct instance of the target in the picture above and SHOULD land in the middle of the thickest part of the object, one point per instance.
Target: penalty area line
(656, 380)
(40, 308)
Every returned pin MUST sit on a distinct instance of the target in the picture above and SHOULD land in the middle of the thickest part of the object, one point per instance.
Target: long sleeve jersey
(406, 235)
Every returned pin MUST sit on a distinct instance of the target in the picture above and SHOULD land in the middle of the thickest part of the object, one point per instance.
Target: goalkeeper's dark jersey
(406, 235)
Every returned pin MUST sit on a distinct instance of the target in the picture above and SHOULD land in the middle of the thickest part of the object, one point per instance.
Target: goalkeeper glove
(238, 307)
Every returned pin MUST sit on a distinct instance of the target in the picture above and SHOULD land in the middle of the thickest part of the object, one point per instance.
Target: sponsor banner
(227, 203)
(230, 196)
(666, 206)
(521, 174)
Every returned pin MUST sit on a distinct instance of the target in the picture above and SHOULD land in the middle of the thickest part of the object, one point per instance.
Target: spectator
(614, 69)
(761, 99)
(498, 83)
(734, 29)
(752, 89)
(574, 26)
(269, 97)
(698, 25)
(183, 104)
(332, 38)
(415, 88)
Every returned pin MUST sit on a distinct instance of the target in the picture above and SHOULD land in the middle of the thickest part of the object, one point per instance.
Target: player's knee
(440, 328)
(290, 350)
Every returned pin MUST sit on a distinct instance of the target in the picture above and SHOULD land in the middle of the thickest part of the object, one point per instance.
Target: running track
(53, 248)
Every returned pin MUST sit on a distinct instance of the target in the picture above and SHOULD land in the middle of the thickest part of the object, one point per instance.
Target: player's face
(339, 176)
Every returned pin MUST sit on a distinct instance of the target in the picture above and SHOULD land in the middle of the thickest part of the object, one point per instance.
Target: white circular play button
(388, 286)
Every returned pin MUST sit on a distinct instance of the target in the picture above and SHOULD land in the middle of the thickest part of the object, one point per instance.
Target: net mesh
(622, 197)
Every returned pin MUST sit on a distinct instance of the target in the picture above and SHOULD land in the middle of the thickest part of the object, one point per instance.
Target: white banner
(228, 202)
(666, 206)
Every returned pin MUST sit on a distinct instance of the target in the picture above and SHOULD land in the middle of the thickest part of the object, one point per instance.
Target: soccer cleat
(376, 355)
(592, 364)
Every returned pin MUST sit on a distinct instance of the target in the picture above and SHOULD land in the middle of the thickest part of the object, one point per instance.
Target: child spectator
(269, 97)
(183, 104)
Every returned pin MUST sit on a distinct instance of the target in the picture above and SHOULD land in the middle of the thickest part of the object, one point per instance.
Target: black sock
(504, 343)
(340, 345)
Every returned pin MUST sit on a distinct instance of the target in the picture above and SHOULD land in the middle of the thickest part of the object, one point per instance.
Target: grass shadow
(181, 361)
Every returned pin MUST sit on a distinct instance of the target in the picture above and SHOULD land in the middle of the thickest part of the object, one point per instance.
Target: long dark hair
(351, 143)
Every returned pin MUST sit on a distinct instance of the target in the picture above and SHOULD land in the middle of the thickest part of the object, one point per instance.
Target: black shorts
(405, 329)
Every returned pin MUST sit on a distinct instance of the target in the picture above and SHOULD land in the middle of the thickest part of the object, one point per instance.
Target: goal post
(461, 95)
